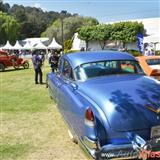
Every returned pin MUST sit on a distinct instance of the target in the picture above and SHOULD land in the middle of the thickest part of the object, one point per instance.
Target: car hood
(128, 101)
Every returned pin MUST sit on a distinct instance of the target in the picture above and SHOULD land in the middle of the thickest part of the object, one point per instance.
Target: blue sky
(103, 10)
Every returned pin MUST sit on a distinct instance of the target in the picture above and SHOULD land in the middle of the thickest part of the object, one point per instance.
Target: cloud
(37, 5)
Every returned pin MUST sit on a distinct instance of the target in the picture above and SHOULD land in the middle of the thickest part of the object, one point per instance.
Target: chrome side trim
(90, 143)
(89, 150)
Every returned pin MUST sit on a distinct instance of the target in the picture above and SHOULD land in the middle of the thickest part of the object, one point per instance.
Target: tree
(34, 21)
(126, 31)
(70, 26)
(9, 28)
(123, 31)
(4, 7)
(68, 44)
(86, 33)
(102, 34)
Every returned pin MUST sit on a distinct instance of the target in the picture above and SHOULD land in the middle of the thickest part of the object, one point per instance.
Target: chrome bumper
(108, 151)
(116, 152)
(125, 151)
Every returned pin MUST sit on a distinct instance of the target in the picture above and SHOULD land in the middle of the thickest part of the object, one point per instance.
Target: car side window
(67, 71)
(127, 66)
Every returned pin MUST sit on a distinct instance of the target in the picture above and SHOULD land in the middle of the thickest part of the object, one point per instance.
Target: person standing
(52, 61)
(37, 63)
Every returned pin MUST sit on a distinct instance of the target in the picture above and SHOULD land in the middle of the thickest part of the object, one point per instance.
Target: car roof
(78, 58)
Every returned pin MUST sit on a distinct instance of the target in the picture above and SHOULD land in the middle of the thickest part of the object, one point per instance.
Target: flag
(140, 42)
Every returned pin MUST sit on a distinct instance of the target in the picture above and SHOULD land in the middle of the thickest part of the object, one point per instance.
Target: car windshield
(104, 68)
(151, 62)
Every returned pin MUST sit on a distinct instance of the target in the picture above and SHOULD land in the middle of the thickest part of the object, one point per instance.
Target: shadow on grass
(12, 69)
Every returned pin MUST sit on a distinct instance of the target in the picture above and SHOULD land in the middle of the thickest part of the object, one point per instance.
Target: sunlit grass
(31, 125)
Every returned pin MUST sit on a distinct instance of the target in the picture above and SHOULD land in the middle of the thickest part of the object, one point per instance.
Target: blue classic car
(111, 107)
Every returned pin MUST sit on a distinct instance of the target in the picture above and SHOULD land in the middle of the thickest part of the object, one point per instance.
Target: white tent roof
(27, 46)
(34, 41)
(7, 46)
(17, 46)
(40, 45)
(54, 45)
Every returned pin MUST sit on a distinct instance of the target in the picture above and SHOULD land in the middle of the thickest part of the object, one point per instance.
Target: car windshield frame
(84, 76)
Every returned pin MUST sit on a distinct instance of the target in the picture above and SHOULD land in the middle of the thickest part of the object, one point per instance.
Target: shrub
(157, 53)
(134, 53)
(68, 44)
(71, 51)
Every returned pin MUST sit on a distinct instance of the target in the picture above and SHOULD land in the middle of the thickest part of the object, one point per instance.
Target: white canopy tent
(34, 41)
(7, 46)
(17, 46)
(40, 45)
(54, 45)
(27, 46)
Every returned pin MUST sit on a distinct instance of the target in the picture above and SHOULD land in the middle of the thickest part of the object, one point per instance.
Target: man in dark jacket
(53, 62)
(37, 63)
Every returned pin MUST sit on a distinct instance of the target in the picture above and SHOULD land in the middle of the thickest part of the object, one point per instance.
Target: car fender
(101, 122)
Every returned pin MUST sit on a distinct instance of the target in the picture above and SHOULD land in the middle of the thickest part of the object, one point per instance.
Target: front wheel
(2, 67)
(25, 65)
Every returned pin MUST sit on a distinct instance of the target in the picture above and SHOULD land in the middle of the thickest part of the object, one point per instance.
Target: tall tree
(70, 26)
(34, 20)
(9, 28)
(86, 33)
(102, 34)
(4, 7)
(126, 31)
(123, 31)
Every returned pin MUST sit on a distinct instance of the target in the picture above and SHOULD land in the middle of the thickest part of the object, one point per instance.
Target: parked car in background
(7, 60)
(111, 107)
(150, 65)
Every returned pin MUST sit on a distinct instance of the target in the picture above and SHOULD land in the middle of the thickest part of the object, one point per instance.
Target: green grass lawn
(31, 126)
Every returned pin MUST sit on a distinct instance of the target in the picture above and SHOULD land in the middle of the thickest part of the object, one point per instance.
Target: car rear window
(104, 68)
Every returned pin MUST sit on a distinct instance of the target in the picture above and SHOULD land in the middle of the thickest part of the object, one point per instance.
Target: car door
(70, 105)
